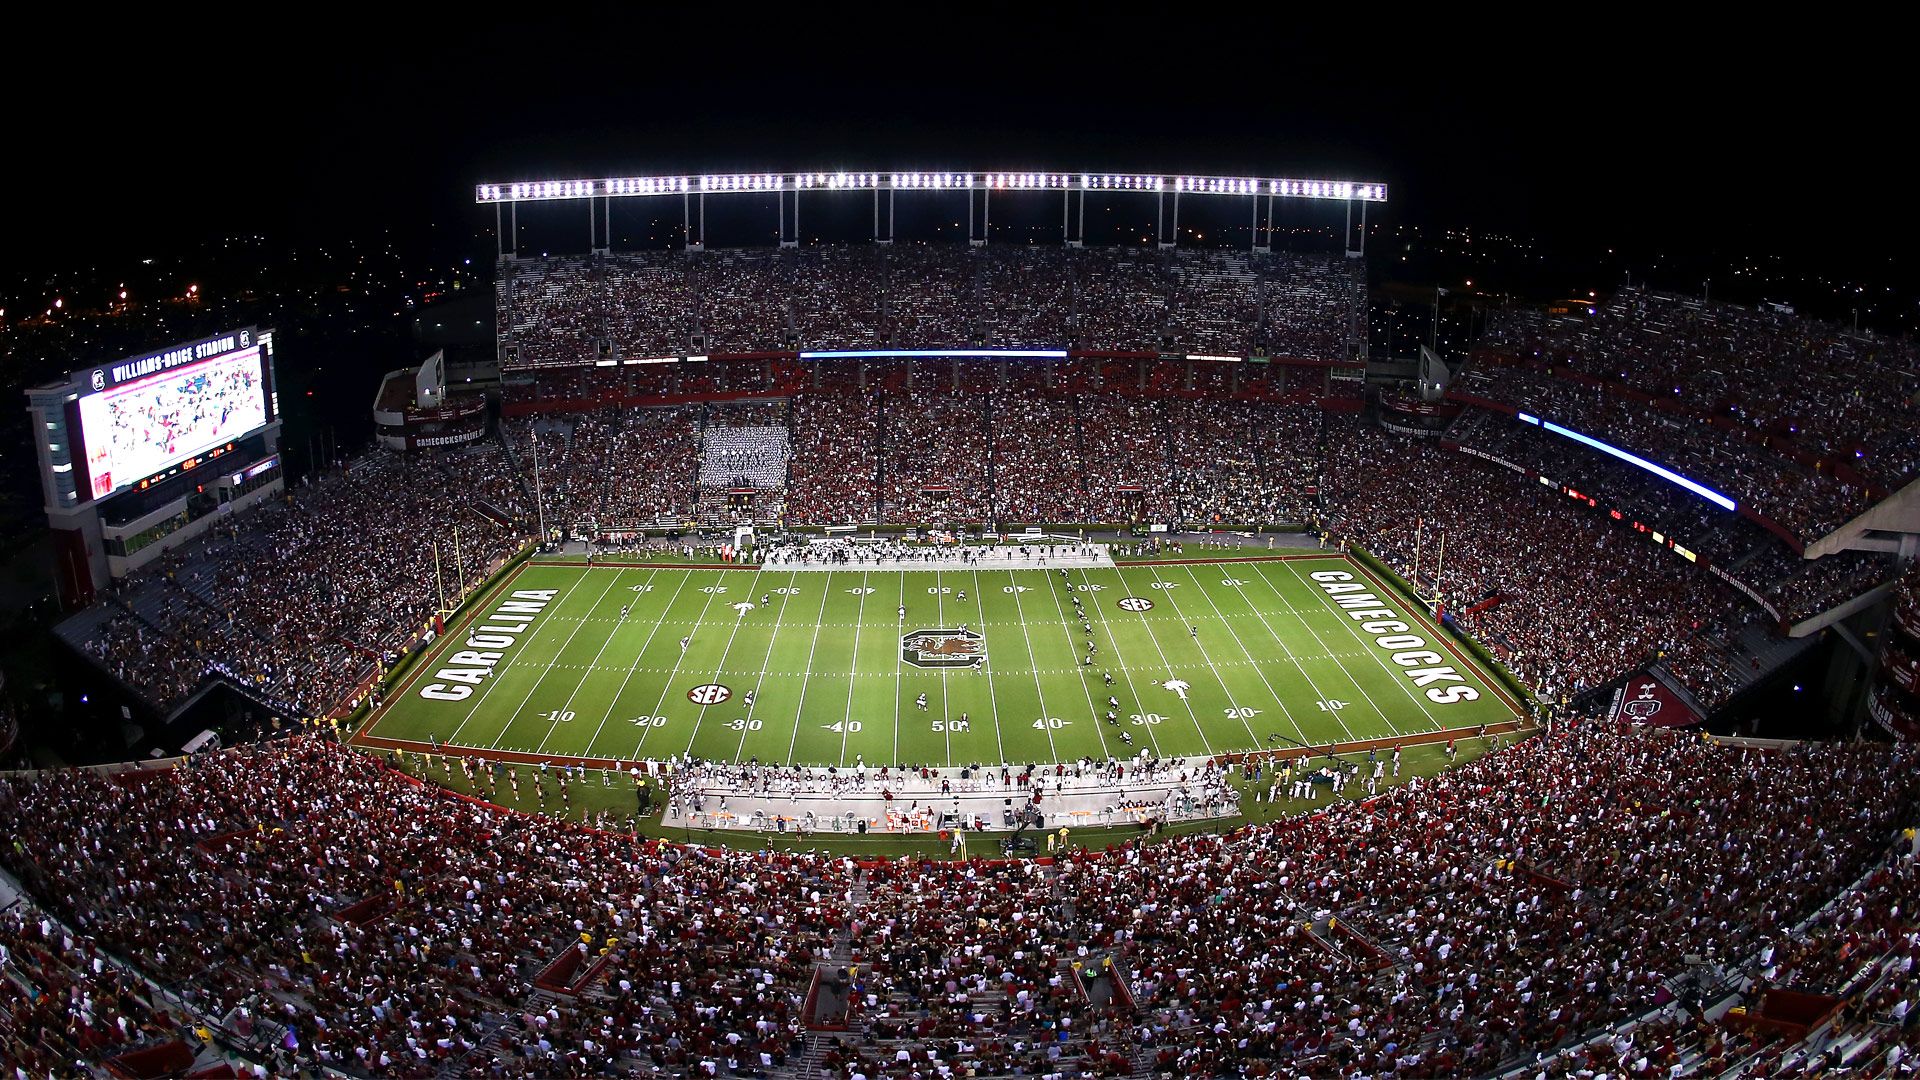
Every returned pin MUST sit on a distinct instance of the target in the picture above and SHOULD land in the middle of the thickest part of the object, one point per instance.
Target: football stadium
(626, 663)
(1045, 623)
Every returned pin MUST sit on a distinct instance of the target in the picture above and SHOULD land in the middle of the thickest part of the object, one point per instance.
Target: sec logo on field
(709, 694)
(1135, 603)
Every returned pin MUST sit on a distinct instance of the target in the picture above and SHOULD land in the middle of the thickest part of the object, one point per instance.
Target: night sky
(1581, 126)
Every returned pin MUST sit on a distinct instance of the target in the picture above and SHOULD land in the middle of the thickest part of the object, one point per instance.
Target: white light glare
(715, 182)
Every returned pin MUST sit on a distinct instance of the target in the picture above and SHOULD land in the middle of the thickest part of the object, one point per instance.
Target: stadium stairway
(786, 483)
(513, 464)
(837, 958)
(84, 625)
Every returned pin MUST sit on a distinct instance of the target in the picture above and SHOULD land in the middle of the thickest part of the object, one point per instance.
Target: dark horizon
(184, 128)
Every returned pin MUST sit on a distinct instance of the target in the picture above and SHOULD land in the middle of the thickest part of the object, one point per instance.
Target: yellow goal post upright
(1430, 597)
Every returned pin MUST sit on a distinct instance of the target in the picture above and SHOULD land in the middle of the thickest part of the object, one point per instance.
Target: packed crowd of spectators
(163, 667)
(934, 461)
(63, 1004)
(1123, 445)
(649, 304)
(742, 301)
(271, 600)
(319, 909)
(548, 312)
(1036, 461)
(835, 437)
(1215, 304)
(1797, 587)
(967, 441)
(1236, 462)
(1513, 550)
(611, 470)
(392, 930)
(1765, 405)
(561, 311)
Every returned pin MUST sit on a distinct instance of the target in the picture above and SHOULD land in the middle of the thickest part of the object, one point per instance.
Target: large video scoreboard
(153, 415)
(141, 454)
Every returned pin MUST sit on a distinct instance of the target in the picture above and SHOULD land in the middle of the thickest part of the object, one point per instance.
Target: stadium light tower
(539, 503)
(977, 185)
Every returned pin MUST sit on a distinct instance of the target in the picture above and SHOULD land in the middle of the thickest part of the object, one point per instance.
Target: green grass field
(1276, 661)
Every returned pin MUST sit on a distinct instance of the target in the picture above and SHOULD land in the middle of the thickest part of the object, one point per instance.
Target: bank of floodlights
(735, 183)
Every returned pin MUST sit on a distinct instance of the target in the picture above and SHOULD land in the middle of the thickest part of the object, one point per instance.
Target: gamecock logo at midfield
(943, 648)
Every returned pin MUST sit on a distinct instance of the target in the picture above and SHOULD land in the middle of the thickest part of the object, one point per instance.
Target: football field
(568, 662)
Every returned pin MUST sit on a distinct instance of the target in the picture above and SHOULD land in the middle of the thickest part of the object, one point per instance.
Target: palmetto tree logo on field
(1178, 686)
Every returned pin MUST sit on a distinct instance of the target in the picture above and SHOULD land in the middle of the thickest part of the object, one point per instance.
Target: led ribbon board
(882, 354)
(1636, 460)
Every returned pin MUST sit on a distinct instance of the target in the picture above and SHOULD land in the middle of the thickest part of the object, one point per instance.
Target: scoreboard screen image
(148, 414)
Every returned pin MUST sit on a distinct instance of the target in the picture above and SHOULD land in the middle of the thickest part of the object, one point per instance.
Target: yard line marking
(987, 667)
(940, 613)
(1188, 702)
(855, 668)
(515, 714)
(806, 672)
(588, 675)
(1392, 675)
(504, 668)
(764, 661)
(1284, 711)
(1126, 672)
(1067, 629)
(1170, 595)
(666, 687)
(1298, 666)
(719, 667)
(1034, 662)
(1344, 670)
(633, 667)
